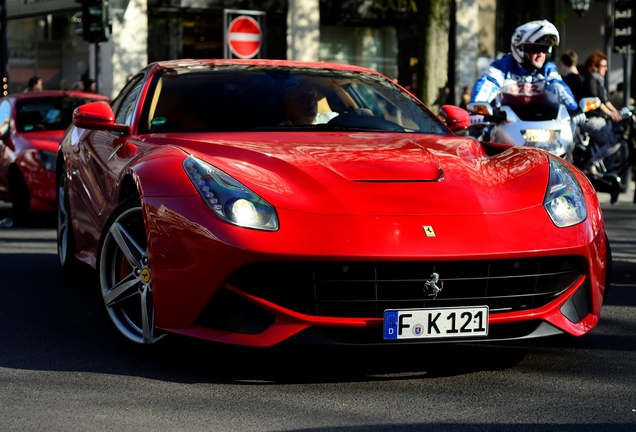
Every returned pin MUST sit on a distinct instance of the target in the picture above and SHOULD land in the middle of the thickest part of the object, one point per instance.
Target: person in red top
(597, 120)
(594, 86)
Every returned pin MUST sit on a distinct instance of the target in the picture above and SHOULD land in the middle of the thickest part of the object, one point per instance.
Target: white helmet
(542, 33)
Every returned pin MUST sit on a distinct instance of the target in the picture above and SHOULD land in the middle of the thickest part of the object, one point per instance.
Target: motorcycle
(612, 173)
(531, 114)
(626, 131)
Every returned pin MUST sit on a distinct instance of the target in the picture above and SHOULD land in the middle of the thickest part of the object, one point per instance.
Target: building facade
(386, 35)
(41, 41)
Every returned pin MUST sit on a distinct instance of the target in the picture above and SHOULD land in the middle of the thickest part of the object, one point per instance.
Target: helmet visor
(548, 39)
(536, 48)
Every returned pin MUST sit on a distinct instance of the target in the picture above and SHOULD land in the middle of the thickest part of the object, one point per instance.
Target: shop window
(45, 46)
(202, 36)
(374, 48)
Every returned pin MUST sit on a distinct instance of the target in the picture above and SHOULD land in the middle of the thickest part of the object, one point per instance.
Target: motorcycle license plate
(452, 322)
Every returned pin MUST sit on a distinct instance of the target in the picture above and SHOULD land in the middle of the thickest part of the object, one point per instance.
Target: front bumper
(200, 288)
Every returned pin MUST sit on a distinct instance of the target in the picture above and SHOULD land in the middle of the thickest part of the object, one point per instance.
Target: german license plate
(452, 322)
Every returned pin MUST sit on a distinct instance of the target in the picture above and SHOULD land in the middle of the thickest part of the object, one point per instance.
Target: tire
(125, 275)
(20, 197)
(608, 269)
(69, 265)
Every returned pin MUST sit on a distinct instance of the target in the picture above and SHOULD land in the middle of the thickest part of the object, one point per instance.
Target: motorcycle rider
(530, 45)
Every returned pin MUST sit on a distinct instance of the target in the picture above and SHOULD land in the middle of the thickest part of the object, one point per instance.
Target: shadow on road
(61, 326)
(50, 324)
(35, 220)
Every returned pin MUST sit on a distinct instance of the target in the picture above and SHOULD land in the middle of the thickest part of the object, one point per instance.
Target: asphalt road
(62, 368)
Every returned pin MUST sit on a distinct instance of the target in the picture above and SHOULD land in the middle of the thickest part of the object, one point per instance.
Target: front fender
(161, 174)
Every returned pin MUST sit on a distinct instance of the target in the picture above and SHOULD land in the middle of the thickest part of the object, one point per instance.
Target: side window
(126, 108)
(5, 116)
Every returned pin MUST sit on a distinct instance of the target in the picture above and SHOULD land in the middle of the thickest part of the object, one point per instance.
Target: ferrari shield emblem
(145, 275)
(429, 231)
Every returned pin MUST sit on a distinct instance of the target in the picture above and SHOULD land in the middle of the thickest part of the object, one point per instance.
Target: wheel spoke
(62, 224)
(124, 289)
(62, 241)
(130, 248)
(62, 201)
(147, 315)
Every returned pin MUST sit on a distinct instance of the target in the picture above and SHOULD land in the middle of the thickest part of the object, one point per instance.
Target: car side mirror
(97, 116)
(455, 118)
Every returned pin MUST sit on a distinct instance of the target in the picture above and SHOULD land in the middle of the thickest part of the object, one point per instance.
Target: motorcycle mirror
(480, 108)
(589, 104)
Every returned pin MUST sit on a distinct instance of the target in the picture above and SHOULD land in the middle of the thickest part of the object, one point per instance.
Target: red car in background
(258, 202)
(31, 127)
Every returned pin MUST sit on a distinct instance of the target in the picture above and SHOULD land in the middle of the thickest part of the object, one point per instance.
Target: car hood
(376, 173)
(46, 140)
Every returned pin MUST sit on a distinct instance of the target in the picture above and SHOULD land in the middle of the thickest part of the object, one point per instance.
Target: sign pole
(4, 50)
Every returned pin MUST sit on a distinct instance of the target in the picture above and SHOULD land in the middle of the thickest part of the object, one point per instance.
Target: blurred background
(435, 48)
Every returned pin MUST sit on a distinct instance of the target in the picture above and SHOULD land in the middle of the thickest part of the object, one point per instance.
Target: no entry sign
(244, 37)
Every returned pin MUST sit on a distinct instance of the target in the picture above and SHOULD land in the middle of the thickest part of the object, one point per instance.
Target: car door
(6, 151)
(99, 161)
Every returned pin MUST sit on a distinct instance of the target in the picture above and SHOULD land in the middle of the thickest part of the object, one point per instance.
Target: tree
(435, 18)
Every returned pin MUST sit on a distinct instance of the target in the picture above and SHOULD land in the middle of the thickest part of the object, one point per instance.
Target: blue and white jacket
(506, 71)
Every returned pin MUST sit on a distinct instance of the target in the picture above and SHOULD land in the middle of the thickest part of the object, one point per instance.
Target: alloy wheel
(125, 276)
(64, 229)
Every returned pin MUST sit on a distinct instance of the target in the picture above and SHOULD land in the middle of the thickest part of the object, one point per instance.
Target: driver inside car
(301, 106)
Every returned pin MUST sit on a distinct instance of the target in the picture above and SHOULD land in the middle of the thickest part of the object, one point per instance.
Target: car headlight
(47, 159)
(564, 200)
(229, 199)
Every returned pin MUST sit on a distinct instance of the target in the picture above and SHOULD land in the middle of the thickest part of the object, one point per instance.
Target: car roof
(191, 63)
(57, 93)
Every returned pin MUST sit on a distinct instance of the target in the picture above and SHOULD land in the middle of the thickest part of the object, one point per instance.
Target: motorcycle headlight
(564, 200)
(229, 199)
(546, 139)
(47, 159)
(540, 135)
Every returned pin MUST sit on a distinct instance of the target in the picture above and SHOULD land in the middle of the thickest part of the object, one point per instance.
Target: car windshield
(530, 101)
(244, 98)
(47, 113)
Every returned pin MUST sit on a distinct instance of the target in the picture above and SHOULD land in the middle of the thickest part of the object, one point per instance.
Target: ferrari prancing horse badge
(428, 230)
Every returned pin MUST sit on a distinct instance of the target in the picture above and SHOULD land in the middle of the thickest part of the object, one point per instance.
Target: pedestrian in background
(465, 100)
(90, 86)
(594, 86)
(597, 120)
(571, 75)
(34, 85)
(617, 97)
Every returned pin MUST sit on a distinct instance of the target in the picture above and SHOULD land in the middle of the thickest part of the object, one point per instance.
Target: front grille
(366, 289)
